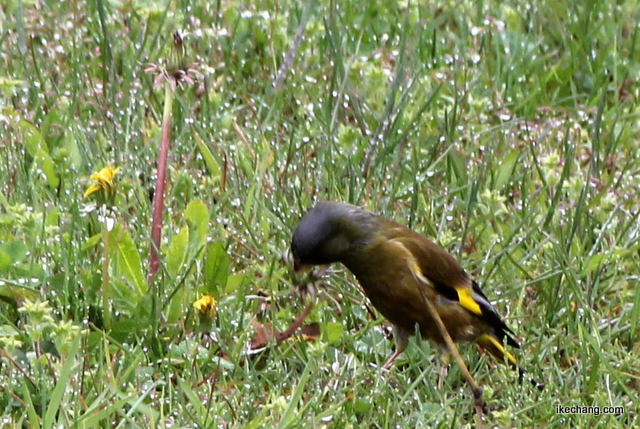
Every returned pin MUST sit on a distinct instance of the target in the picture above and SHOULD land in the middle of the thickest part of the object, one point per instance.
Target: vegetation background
(505, 130)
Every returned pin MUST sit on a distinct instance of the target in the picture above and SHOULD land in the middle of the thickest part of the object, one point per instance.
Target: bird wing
(434, 266)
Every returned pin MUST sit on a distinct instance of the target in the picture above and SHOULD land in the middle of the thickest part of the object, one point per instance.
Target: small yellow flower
(206, 305)
(104, 181)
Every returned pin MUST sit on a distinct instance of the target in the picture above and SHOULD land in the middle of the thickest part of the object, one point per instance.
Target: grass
(506, 131)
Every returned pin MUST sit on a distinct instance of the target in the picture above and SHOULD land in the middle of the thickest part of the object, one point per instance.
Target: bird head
(328, 233)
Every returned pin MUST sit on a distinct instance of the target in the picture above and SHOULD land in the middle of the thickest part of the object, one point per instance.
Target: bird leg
(444, 369)
(402, 342)
(480, 406)
(391, 359)
(282, 336)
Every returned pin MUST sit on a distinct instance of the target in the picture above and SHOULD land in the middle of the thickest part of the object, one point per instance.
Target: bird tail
(495, 348)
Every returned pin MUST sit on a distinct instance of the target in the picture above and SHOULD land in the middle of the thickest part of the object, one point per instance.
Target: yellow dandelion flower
(104, 181)
(206, 305)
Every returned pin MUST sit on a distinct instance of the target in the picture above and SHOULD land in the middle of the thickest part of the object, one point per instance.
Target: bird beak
(319, 271)
(299, 267)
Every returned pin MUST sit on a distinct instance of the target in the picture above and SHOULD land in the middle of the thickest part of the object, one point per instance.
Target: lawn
(507, 132)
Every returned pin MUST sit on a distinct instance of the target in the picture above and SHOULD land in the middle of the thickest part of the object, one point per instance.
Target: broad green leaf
(71, 146)
(8, 331)
(177, 252)
(37, 148)
(361, 406)
(505, 171)
(234, 282)
(53, 217)
(122, 297)
(16, 250)
(5, 261)
(334, 331)
(92, 242)
(197, 217)
(129, 260)
(174, 309)
(123, 330)
(208, 157)
(31, 271)
(49, 169)
(33, 140)
(216, 269)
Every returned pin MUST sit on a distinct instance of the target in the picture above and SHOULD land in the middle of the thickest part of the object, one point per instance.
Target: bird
(407, 278)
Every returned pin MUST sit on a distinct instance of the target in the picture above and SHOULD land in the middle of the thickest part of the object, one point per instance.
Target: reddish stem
(158, 198)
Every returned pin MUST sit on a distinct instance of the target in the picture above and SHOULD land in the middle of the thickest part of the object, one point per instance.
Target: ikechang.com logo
(595, 410)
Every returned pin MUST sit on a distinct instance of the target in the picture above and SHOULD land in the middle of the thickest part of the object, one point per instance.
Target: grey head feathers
(330, 230)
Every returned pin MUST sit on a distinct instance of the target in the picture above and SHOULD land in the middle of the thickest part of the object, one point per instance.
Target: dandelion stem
(158, 201)
(106, 307)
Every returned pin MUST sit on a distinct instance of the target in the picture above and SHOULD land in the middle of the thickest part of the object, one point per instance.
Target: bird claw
(307, 289)
(480, 408)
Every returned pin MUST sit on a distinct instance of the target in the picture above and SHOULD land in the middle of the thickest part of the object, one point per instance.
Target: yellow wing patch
(413, 263)
(410, 259)
(467, 301)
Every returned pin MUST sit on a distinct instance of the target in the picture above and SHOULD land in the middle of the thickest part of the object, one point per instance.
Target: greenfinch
(399, 270)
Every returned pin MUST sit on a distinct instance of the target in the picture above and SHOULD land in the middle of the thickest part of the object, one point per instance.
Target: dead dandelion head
(177, 69)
